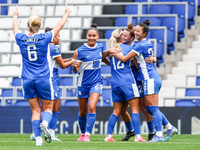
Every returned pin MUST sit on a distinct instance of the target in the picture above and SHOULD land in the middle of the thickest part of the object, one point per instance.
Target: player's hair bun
(130, 26)
(94, 25)
(47, 29)
(147, 22)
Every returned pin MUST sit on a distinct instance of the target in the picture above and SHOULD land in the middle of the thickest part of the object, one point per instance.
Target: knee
(36, 111)
(116, 112)
(153, 109)
(92, 108)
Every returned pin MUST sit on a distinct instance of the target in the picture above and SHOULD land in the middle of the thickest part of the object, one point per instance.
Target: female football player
(36, 72)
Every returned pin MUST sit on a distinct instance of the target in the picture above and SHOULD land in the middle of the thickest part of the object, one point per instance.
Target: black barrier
(18, 120)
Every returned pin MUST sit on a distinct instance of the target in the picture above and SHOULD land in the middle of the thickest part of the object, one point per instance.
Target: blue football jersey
(35, 55)
(90, 58)
(144, 49)
(120, 71)
(54, 52)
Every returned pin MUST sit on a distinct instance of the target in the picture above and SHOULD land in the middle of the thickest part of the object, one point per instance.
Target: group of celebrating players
(134, 79)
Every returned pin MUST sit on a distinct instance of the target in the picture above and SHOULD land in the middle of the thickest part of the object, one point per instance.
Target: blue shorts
(84, 92)
(152, 86)
(41, 88)
(140, 88)
(124, 93)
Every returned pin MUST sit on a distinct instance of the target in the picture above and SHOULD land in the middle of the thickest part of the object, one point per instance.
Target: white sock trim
(168, 126)
(159, 133)
(87, 133)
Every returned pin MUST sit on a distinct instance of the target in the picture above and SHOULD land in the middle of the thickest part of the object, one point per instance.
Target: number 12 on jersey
(120, 64)
(32, 55)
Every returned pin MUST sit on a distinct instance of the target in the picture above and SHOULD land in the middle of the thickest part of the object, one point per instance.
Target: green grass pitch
(23, 142)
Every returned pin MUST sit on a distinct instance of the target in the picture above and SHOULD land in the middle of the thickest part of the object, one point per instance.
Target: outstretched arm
(15, 21)
(63, 64)
(106, 61)
(123, 58)
(61, 23)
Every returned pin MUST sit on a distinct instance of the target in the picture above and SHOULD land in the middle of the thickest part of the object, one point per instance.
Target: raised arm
(15, 21)
(62, 22)
(123, 58)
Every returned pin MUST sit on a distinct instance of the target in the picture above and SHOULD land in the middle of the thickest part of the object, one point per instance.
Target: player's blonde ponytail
(115, 37)
(34, 23)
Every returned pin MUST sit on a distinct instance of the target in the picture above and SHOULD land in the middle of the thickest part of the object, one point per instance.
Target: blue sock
(82, 123)
(150, 126)
(129, 126)
(111, 123)
(157, 117)
(46, 116)
(148, 110)
(136, 122)
(54, 119)
(36, 127)
(164, 119)
(90, 122)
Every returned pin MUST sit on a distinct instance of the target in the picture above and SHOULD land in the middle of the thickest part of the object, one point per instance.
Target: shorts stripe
(52, 90)
(150, 86)
(22, 87)
(135, 90)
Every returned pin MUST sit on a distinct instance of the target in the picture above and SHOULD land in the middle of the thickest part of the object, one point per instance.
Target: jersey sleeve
(137, 49)
(55, 51)
(79, 59)
(17, 36)
(49, 36)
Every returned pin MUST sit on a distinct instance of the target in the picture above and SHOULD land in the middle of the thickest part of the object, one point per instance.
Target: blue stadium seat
(192, 92)
(149, 35)
(64, 71)
(160, 9)
(122, 21)
(7, 93)
(4, 9)
(108, 33)
(107, 81)
(106, 94)
(21, 102)
(186, 103)
(191, 8)
(198, 81)
(180, 10)
(169, 22)
(16, 82)
(105, 69)
(155, 21)
(133, 9)
(169, 0)
(159, 35)
(14, 1)
(65, 81)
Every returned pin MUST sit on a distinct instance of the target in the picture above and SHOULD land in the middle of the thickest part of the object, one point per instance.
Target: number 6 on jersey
(32, 53)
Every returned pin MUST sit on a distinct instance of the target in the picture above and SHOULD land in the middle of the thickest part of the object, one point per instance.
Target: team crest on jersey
(57, 50)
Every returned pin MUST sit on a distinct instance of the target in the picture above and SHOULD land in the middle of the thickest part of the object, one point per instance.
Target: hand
(115, 49)
(16, 12)
(149, 59)
(74, 63)
(67, 10)
(75, 55)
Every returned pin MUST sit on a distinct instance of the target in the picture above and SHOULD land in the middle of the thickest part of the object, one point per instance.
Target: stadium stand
(186, 58)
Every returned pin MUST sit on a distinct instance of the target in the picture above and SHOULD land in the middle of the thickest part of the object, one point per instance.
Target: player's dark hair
(145, 26)
(48, 29)
(130, 29)
(93, 27)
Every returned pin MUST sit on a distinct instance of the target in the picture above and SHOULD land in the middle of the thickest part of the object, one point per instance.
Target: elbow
(62, 66)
